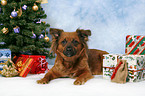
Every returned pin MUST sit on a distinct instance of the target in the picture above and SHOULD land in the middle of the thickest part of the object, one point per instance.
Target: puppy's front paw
(79, 82)
(42, 81)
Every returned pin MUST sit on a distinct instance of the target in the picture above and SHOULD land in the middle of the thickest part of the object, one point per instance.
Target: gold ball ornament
(3, 2)
(35, 7)
(46, 38)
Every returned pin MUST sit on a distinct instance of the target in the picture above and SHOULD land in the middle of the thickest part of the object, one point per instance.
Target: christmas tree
(21, 28)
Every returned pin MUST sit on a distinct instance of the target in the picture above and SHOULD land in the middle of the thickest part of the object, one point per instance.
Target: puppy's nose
(69, 48)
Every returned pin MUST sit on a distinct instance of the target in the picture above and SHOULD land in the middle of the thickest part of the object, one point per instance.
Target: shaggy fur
(73, 57)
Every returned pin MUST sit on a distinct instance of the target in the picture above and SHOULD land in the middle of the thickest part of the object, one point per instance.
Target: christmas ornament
(9, 70)
(19, 12)
(42, 1)
(34, 35)
(35, 7)
(11, 17)
(38, 1)
(41, 36)
(38, 22)
(5, 30)
(0, 9)
(24, 7)
(16, 29)
(46, 37)
(3, 2)
(14, 13)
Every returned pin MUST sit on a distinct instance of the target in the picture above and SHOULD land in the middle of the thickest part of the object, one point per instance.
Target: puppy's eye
(75, 42)
(64, 42)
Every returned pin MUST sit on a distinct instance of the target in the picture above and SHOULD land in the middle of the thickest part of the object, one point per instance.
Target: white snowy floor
(18, 86)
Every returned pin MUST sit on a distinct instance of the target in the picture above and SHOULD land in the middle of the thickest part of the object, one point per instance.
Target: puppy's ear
(55, 37)
(83, 34)
(55, 33)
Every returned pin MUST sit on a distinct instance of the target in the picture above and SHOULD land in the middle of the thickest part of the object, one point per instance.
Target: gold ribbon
(26, 65)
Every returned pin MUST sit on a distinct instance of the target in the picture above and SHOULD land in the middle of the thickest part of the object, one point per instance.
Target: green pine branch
(22, 42)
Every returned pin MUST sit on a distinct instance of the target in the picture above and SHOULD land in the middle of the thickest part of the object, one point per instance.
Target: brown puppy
(73, 57)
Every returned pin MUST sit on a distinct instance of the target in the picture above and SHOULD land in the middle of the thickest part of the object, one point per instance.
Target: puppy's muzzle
(69, 51)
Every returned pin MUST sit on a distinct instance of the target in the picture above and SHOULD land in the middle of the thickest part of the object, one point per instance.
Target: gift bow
(21, 66)
(42, 66)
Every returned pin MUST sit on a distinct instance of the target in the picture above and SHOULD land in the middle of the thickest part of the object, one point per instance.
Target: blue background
(110, 21)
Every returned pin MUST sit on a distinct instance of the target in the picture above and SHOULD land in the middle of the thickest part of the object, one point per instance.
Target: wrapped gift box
(136, 66)
(135, 45)
(26, 67)
(5, 55)
(38, 64)
(109, 64)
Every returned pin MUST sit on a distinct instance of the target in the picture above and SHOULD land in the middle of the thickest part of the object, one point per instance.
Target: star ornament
(5, 30)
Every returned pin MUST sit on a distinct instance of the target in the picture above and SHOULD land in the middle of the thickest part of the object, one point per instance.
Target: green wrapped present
(136, 66)
(135, 45)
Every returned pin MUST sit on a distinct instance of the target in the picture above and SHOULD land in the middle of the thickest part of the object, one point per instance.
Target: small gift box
(5, 55)
(136, 66)
(24, 65)
(109, 64)
(135, 45)
(39, 64)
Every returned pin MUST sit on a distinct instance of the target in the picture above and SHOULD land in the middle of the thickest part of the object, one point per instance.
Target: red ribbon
(115, 70)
